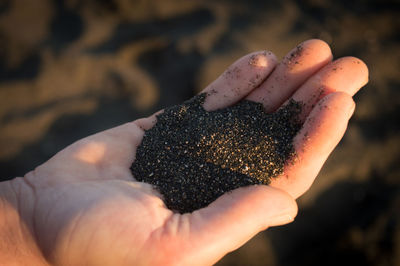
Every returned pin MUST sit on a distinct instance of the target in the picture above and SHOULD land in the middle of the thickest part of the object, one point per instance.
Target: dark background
(71, 68)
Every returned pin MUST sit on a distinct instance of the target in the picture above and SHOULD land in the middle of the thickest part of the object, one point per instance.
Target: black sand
(193, 156)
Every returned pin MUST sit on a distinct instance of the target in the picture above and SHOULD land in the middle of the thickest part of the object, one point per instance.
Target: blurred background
(72, 68)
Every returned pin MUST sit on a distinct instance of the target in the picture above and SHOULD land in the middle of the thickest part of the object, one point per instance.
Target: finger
(105, 155)
(120, 142)
(239, 79)
(148, 122)
(235, 217)
(347, 74)
(296, 67)
(245, 74)
(321, 132)
(235, 83)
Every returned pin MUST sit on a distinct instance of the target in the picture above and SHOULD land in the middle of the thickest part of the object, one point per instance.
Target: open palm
(85, 208)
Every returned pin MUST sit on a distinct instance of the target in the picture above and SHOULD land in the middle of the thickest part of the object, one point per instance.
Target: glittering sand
(193, 156)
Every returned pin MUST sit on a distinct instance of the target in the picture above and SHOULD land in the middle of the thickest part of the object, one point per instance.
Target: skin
(83, 207)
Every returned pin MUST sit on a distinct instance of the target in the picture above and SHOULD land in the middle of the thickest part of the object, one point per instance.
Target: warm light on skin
(91, 153)
(259, 60)
(83, 207)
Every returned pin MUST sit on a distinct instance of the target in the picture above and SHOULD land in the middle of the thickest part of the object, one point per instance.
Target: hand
(83, 207)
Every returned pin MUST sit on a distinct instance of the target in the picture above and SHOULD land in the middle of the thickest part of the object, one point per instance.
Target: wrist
(18, 244)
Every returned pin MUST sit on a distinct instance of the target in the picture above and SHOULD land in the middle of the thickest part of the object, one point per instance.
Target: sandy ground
(71, 68)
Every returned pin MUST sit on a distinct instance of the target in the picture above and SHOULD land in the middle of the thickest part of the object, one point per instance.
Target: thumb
(234, 218)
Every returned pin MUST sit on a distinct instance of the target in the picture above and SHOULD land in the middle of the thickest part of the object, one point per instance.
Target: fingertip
(319, 46)
(239, 79)
(341, 101)
(316, 53)
(351, 105)
(296, 67)
(259, 206)
(288, 212)
(263, 59)
(352, 70)
(362, 68)
(359, 64)
(352, 109)
(147, 123)
(328, 119)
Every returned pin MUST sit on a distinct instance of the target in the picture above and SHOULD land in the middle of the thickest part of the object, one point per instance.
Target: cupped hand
(84, 207)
